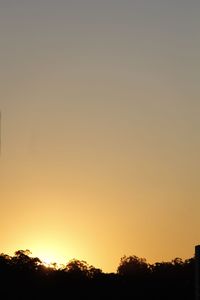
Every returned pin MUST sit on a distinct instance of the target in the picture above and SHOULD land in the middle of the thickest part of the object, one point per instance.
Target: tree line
(25, 277)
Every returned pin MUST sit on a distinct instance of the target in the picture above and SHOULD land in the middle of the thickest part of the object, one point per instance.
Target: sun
(50, 253)
(50, 259)
(50, 262)
(47, 261)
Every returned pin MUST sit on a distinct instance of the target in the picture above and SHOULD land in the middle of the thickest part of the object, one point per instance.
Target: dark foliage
(26, 277)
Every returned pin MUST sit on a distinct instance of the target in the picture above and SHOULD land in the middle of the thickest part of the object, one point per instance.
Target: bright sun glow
(49, 258)
(48, 252)
(50, 262)
(47, 261)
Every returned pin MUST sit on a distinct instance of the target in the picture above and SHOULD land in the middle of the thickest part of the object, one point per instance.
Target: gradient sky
(100, 129)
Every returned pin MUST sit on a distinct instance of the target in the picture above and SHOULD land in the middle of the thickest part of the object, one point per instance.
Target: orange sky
(100, 129)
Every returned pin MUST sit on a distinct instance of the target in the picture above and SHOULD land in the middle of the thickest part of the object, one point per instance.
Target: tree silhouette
(132, 266)
(25, 277)
(23, 261)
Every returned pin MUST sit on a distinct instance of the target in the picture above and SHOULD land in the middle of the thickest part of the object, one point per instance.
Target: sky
(100, 129)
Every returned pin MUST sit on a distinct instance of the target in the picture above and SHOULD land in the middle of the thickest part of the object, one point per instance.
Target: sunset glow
(100, 129)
